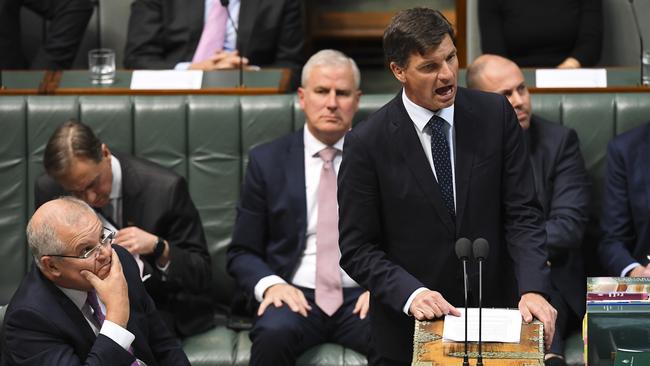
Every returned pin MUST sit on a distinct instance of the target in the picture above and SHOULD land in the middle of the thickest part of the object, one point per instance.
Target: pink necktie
(92, 301)
(213, 35)
(329, 295)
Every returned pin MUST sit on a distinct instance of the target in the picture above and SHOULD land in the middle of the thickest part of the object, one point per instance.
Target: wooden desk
(77, 82)
(429, 349)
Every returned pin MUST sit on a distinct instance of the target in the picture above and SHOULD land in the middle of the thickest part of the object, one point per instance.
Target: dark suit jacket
(44, 327)
(67, 24)
(626, 201)
(562, 187)
(396, 234)
(269, 233)
(163, 33)
(157, 200)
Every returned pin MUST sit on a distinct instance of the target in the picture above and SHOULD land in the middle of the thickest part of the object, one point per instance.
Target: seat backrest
(207, 138)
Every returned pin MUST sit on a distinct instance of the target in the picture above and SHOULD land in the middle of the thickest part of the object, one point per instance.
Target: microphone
(638, 31)
(481, 250)
(225, 4)
(463, 252)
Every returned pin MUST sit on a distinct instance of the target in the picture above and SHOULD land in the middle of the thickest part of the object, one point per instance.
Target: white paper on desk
(571, 78)
(499, 325)
(166, 79)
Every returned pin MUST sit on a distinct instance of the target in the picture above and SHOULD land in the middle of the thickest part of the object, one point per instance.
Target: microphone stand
(481, 249)
(479, 359)
(463, 252)
(638, 31)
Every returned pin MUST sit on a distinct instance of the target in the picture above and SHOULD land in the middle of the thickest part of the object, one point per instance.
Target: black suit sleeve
(190, 261)
(289, 51)
(567, 217)
(145, 43)
(68, 20)
(247, 251)
(33, 344)
(590, 33)
(360, 229)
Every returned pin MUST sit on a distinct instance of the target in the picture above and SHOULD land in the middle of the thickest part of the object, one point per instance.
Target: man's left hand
(136, 240)
(363, 305)
(535, 305)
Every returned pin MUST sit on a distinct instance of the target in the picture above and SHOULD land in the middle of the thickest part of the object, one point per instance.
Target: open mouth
(445, 90)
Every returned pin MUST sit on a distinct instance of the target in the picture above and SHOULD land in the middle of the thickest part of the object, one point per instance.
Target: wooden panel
(429, 348)
(357, 25)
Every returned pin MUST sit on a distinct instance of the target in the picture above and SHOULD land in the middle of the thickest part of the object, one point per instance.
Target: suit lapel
(294, 172)
(247, 15)
(195, 21)
(414, 158)
(131, 206)
(466, 140)
(71, 310)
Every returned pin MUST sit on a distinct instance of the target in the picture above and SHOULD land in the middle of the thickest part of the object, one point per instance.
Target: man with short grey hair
(83, 301)
(284, 252)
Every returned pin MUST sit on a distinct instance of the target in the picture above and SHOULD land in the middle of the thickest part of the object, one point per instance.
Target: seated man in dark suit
(562, 188)
(83, 301)
(152, 212)
(67, 23)
(284, 252)
(168, 34)
(625, 247)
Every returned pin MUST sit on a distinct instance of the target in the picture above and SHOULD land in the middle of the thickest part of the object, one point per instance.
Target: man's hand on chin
(533, 305)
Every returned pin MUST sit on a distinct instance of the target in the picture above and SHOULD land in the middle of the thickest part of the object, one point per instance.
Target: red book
(614, 296)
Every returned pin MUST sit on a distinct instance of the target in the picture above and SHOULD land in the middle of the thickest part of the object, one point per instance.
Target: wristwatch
(159, 248)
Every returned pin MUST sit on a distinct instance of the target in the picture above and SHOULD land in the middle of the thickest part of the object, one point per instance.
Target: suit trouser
(564, 323)
(279, 336)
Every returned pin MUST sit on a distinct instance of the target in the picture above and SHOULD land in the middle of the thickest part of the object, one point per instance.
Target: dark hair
(72, 139)
(414, 30)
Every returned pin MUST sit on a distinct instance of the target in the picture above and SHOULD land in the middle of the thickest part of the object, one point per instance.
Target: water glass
(101, 62)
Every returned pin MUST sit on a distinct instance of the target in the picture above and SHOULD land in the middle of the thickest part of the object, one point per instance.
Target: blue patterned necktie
(442, 161)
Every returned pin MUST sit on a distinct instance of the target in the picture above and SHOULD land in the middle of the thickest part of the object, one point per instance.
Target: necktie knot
(328, 154)
(436, 123)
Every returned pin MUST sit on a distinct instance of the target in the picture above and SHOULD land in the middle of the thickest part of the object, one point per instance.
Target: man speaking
(435, 164)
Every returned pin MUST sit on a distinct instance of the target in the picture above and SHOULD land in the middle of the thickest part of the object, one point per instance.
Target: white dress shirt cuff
(264, 284)
(407, 306)
(118, 334)
(182, 66)
(629, 268)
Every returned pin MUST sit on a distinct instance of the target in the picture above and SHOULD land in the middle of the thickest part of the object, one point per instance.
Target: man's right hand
(283, 293)
(113, 291)
(640, 271)
(222, 60)
(430, 304)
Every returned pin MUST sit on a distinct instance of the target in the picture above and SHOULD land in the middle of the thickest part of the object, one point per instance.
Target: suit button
(548, 263)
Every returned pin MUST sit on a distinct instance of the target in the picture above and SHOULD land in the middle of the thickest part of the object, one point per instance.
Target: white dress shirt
(305, 275)
(420, 117)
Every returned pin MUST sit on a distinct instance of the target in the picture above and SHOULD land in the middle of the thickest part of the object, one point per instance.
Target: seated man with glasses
(150, 209)
(83, 301)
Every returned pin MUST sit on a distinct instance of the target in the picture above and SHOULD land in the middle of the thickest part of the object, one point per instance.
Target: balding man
(562, 188)
(83, 301)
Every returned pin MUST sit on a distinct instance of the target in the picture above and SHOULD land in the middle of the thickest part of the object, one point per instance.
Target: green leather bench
(206, 139)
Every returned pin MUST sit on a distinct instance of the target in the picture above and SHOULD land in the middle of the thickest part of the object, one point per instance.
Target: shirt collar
(116, 187)
(313, 145)
(78, 297)
(421, 116)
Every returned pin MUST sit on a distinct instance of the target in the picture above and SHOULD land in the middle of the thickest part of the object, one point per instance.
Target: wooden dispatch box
(430, 350)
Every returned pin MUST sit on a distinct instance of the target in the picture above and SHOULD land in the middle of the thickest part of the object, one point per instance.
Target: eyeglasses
(106, 239)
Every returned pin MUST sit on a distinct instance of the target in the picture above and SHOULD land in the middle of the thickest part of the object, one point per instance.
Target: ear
(106, 152)
(398, 72)
(301, 97)
(50, 267)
